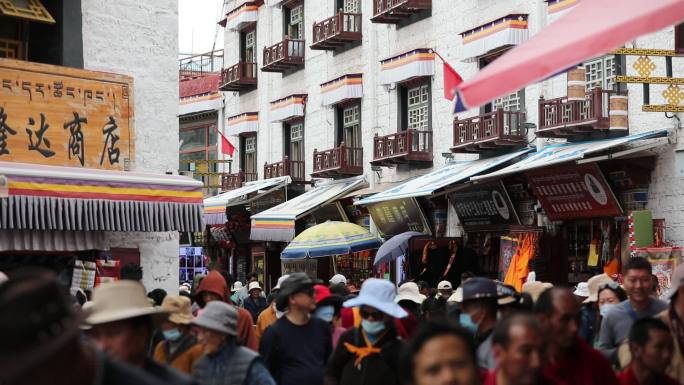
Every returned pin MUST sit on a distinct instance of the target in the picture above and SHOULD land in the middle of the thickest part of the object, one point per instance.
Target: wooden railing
(293, 168)
(349, 23)
(341, 160)
(410, 143)
(239, 72)
(385, 7)
(559, 112)
(235, 181)
(288, 51)
(500, 124)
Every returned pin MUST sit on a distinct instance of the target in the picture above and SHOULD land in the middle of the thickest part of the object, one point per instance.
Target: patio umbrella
(330, 238)
(592, 28)
(394, 247)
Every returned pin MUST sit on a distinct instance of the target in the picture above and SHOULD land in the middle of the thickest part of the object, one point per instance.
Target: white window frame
(250, 44)
(600, 72)
(351, 6)
(296, 21)
(418, 108)
(351, 126)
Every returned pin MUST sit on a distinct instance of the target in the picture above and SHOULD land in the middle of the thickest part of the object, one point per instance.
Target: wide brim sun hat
(379, 294)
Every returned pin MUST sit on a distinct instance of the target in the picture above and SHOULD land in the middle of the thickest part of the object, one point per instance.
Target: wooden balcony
(563, 118)
(334, 32)
(490, 132)
(236, 180)
(292, 168)
(284, 56)
(239, 77)
(394, 11)
(340, 161)
(410, 146)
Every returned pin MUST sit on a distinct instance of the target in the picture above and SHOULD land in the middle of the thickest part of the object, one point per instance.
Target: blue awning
(566, 152)
(451, 173)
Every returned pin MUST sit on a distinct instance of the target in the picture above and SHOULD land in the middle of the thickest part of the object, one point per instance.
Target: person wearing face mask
(328, 309)
(226, 363)
(616, 323)
(478, 314)
(594, 308)
(179, 349)
(369, 354)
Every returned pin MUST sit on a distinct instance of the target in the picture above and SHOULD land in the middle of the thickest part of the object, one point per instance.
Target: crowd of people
(306, 331)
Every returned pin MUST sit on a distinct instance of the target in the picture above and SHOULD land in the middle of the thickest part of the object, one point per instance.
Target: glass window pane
(191, 139)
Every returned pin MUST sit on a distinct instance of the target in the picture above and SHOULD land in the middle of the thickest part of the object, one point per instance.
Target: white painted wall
(379, 105)
(140, 39)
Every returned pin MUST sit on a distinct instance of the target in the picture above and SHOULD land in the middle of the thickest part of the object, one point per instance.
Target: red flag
(451, 80)
(226, 146)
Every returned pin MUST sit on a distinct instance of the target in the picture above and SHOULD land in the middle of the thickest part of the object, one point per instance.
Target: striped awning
(73, 199)
(215, 207)
(278, 223)
(508, 30)
(242, 123)
(416, 63)
(341, 89)
(290, 107)
(558, 8)
(244, 14)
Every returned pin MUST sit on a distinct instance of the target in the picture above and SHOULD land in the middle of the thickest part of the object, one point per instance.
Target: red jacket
(215, 283)
(489, 378)
(627, 377)
(581, 365)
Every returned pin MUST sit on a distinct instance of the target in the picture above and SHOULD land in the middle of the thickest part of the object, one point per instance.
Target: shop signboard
(65, 117)
(398, 216)
(573, 192)
(483, 205)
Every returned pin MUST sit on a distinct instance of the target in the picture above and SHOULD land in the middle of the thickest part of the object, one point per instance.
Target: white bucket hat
(338, 278)
(409, 291)
(582, 290)
(253, 285)
(237, 286)
(118, 301)
(378, 293)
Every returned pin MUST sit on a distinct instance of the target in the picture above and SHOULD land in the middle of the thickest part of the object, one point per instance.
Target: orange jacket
(215, 283)
(266, 319)
(184, 361)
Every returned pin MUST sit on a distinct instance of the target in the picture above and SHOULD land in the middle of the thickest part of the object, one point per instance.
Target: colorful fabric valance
(287, 108)
(416, 63)
(242, 123)
(508, 30)
(343, 88)
(558, 8)
(72, 199)
(244, 14)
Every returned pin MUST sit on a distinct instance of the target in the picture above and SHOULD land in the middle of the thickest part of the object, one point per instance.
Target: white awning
(507, 30)
(343, 88)
(566, 152)
(558, 8)
(211, 102)
(411, 64)
(278, 223)
(246, 13)
(215, 207)
(451, 173)
(287, 108)
(242, 123)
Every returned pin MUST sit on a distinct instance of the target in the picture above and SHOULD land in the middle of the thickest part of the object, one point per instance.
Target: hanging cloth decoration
(519, 267)
(453, 249)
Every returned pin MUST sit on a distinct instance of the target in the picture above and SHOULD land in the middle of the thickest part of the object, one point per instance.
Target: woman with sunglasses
(369, 353)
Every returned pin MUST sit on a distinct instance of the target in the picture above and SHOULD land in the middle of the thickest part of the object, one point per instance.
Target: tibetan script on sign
(65, 117)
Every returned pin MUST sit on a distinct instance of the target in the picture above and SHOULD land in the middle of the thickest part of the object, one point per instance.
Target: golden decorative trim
(34, 10)
(661, 108)
(645, 52)
(650, 80)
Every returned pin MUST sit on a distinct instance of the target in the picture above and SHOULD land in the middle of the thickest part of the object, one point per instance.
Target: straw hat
(535, 288)
(410, 292)
(179, 309)
(594, 283)
(118, 301)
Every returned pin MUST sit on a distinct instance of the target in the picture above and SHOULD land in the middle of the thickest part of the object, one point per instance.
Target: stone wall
(140, 39)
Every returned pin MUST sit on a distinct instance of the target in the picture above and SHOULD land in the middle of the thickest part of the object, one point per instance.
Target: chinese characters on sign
(398, 216)
(485, 204)
(70, 117)
(572, 192)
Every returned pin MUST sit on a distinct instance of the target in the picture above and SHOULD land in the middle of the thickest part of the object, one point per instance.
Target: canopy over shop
(404, 208)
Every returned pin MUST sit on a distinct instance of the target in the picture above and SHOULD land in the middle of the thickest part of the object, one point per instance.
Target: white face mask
(606, 307)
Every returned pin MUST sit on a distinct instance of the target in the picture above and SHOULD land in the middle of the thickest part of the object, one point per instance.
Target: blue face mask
(605, 308)
(372, 327)
(467, 322)
(172, 334)
(325, 313)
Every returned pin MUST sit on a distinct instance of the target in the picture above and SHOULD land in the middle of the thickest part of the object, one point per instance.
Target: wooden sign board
(65, 117)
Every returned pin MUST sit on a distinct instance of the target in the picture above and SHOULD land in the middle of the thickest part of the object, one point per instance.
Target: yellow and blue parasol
(330, 238)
